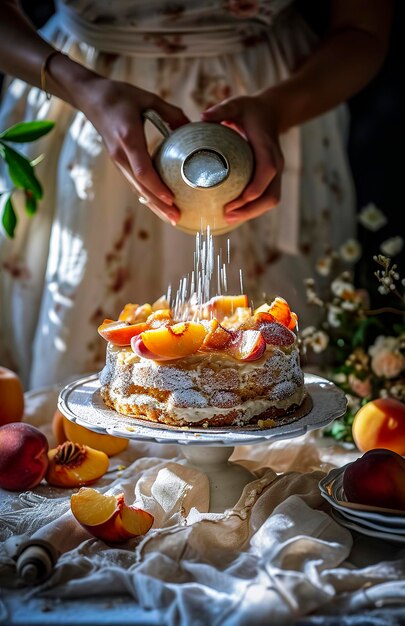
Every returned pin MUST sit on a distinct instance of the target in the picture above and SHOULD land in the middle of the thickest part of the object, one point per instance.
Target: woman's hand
(115, 109)
(254, 117)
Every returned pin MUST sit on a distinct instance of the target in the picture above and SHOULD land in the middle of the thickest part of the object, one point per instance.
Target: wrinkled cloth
(276, 554)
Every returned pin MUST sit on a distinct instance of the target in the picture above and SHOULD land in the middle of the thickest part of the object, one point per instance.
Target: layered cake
(220, 364)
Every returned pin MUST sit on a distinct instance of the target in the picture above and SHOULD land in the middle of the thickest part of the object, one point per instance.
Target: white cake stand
(206, 449)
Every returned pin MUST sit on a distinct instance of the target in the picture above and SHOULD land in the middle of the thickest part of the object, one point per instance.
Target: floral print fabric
(92, 247)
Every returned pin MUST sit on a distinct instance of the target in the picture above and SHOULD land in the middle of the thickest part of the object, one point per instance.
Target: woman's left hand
(253, 117)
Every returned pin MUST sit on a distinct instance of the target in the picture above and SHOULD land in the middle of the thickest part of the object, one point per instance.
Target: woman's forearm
(342, 65)
(23, 52)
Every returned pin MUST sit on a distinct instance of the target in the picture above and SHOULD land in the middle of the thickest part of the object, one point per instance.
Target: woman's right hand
(116, 111)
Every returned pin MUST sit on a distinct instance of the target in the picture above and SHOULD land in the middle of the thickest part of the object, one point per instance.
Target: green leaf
(27, 131)
(363, 330)
(9, 217)
(21, 171)
(30, 203)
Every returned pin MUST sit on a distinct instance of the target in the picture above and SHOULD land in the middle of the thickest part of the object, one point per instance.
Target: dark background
(376, 141)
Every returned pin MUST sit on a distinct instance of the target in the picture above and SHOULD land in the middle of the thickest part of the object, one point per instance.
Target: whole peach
(376, 479)
(380, 424)
(106, 443)
(23, 456)
(11, 397)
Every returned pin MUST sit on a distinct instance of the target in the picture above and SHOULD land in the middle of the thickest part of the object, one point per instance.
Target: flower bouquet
(365, 345)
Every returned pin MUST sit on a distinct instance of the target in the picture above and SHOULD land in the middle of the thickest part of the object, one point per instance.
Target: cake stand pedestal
(226, 479)
(205, 449)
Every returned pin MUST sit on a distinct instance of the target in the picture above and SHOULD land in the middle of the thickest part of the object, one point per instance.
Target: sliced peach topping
(120, 333)
(224, 306)
(160, 303)
(280, 309)
(217, 337)
(247, 345)
(175, 341)
(274, 333)
(240, 316)
(160, 317)
(134, 313)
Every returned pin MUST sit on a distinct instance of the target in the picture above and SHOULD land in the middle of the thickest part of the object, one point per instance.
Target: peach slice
(120, 333)
(142, 351)
(281, 311)
(217, 337)
(108, 517)
(160, 303)
(273, 332)
(224, 306)
(105, 443)
(135, 313)
(247, 345)
(160, 317)
(73, 465)
(175, 341)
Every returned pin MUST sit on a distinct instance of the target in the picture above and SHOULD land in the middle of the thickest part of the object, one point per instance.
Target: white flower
(350, 251)
(372, 218)
(350, 305)
(319, 341)
(308, 331)
(334, 313)
(392, 246)
(324, 265)
(342, 288)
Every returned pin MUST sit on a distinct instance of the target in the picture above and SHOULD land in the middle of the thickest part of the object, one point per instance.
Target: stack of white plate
(388, 524)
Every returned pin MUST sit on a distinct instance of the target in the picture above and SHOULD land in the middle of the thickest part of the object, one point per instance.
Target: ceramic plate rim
(340, 519)
(391, 516)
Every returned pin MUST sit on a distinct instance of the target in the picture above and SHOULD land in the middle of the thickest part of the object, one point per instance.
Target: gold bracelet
(44, 68)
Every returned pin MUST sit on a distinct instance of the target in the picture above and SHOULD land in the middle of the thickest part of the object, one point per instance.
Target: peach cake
(223, 366)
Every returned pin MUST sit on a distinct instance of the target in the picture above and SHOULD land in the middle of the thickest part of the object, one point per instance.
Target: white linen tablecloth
(277, 554)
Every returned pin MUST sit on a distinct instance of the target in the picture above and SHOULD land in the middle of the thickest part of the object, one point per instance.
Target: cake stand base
(226, 479)
(206, 449)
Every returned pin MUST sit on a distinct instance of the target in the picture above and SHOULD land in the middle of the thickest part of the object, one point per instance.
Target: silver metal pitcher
(205, 165)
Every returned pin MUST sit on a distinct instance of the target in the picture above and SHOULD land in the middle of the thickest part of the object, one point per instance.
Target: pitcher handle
(157, 121)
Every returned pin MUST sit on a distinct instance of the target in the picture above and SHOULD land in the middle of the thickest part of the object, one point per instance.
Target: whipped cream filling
(246, 410)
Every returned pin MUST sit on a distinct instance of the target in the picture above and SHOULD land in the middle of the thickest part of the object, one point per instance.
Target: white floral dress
(92, 247)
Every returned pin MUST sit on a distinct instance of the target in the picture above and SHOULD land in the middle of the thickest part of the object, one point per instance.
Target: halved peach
(135, 313)
(108, 517)
(224, 306)
(120, 333)
(175, 341)
(247, 345)
(73, 465)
